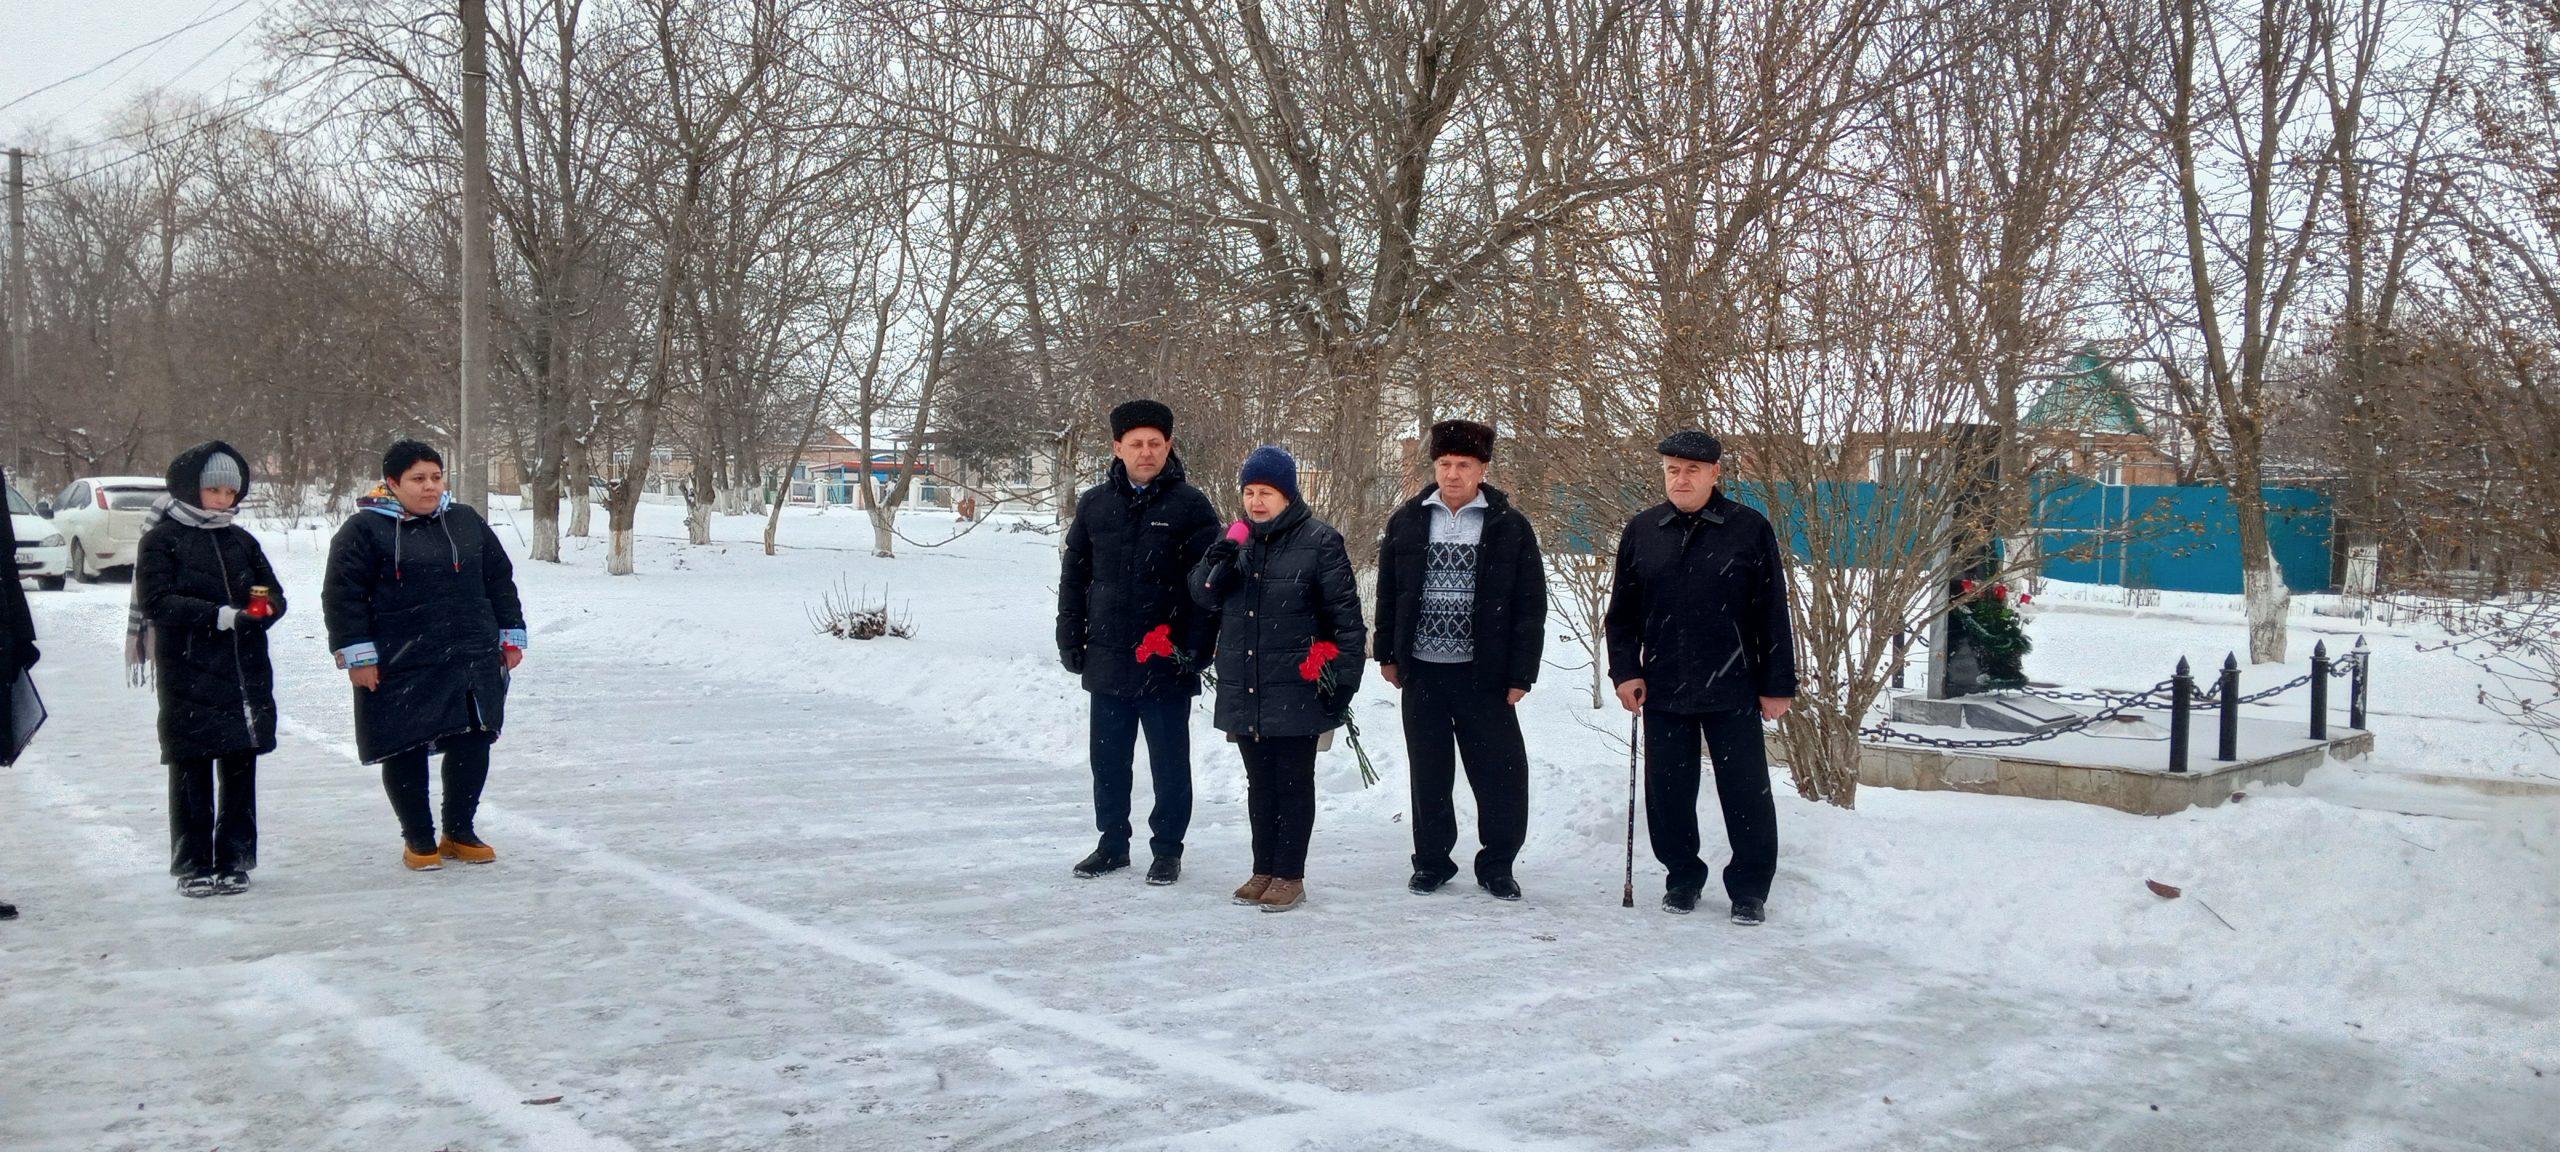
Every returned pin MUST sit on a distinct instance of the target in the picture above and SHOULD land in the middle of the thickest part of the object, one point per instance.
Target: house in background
(2086, 425)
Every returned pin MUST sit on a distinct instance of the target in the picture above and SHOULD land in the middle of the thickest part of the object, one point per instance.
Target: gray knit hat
(221, 471)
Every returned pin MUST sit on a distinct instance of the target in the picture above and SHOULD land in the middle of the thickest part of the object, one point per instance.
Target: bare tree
(2247, 163)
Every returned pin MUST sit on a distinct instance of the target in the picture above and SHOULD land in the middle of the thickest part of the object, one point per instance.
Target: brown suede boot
(420, 863)
(452, 849)
(1252, 891)
(1283, 895)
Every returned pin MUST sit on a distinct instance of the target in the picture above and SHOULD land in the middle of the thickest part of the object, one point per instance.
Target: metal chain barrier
(2122, 703)
(2206, 698)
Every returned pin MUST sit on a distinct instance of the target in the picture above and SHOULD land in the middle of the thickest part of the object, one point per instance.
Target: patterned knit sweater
(1446, 631)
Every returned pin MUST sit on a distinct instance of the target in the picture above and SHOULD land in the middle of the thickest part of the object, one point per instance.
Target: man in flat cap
(1699, 643)
(1462, 616)
(1129, 552)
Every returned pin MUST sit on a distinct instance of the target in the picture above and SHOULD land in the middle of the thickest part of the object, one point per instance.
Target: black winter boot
(1165, 870)
(1680, 900)
(1426, 883)
(1502, 887)
(1747, 912)
(1102, 862)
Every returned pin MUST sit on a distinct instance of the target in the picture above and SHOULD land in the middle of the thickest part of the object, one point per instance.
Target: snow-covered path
(737, 912)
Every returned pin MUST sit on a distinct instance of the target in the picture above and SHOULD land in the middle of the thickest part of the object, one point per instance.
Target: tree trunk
(1062, 481)
(542, 494)
(698, 503)
(1822, 752)
(582, 501)
(2261, 582)
(884, 526)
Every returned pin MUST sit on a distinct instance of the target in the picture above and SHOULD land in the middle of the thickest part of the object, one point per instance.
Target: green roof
(2088, 400)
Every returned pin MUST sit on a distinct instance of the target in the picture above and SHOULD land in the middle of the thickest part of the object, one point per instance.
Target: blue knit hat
(1271, 465)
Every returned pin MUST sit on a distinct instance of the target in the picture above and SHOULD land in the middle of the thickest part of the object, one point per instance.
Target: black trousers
(466, 771)
(1734, 741)
(1449, 715)
(1280, 799)
(1112, 743)
(202, 842)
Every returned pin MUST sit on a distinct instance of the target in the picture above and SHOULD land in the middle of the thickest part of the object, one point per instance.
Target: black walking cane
(1627, 898)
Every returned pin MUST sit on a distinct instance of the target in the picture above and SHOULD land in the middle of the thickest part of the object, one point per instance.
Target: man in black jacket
(1462, 617)
(1129, 628)
(1699, 641)
(420, 601)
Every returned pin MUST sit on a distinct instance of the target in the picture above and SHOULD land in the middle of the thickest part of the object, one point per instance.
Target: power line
(208, 121)
(172, 78)
(200, 21)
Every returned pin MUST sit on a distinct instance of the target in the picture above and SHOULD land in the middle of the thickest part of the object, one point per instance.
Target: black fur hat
(1141, 414)
(1461, 438)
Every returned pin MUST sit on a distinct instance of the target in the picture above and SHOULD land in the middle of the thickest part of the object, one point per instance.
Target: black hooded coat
(217, 689)
(434, 595)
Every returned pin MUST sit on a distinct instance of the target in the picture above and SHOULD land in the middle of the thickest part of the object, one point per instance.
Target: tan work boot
(452, 849)
(417, 862)
(1283, 895)
(1251, 893)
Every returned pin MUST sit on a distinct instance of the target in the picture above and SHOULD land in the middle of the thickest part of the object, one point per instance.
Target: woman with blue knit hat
(203, 599)
(1290, 651)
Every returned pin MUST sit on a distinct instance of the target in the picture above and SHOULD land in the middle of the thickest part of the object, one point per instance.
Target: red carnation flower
(1965, 586)
(1158, 643)
(1321, 653)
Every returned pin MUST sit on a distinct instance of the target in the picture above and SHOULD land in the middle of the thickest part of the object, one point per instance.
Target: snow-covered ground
(762, 889)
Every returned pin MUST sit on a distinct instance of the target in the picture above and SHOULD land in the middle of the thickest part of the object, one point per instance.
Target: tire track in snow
(1174, 1056)
(111, 849)
(1322, 1108)
(399, 1041)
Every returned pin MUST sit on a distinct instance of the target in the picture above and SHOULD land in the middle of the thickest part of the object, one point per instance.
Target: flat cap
(1691, 444)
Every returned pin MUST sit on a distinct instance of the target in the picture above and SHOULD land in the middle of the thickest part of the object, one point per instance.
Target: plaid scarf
(140, 634)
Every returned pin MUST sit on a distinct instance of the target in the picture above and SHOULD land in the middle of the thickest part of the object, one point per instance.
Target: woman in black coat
(1281, 582)
(421, 603)
(17, 654)
(203, 599)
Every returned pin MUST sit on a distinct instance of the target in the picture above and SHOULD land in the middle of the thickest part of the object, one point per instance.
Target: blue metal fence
(2178, 539)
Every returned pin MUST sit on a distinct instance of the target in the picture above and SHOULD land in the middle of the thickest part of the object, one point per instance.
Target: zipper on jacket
(239, 670)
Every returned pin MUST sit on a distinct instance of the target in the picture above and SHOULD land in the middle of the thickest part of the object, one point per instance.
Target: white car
(101, 520)
(42, 553)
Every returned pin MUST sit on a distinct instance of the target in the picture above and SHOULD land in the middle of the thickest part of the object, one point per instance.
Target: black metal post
(2356, 683)
(2230, 749)
(2182, 694)
(2320, 690)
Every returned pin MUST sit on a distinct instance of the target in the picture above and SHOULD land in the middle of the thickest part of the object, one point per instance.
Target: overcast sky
(48, 41)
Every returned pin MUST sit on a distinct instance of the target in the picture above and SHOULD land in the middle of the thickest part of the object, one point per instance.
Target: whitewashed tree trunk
(2269, 603)
(2364, 570)
(618, 561)
(697, 519)
(884, 529)
(546, 531)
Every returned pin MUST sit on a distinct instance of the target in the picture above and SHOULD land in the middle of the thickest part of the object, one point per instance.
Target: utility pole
(21, 392)
(471, 453)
